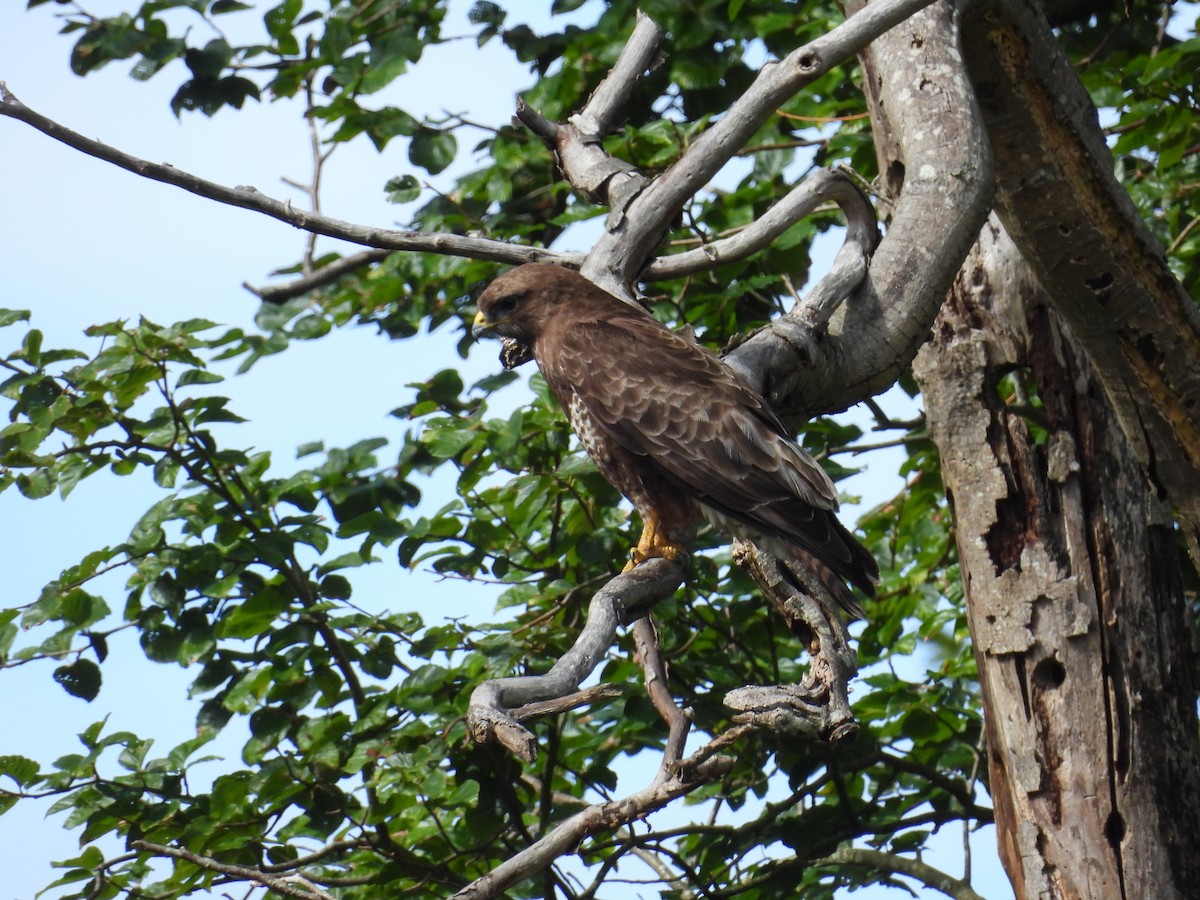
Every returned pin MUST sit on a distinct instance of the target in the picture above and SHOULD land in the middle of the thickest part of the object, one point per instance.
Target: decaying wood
(1106, 273)
(1071, 571)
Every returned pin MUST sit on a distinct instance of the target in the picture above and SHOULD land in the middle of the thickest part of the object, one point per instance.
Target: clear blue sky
(82, 242)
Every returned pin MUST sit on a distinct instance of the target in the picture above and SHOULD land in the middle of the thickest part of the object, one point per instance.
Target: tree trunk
(1072, 574)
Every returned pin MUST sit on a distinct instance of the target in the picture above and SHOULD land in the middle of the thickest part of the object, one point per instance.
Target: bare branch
(490, 714)
(577, 146)
(640, 54)
(877, 860)
(252, 199)
(318, 278)
(849, 266)
(695, 771)
(288, 886)
(624, 248)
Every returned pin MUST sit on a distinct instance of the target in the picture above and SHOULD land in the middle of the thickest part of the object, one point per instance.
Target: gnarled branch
(494, 710)
(625, 248)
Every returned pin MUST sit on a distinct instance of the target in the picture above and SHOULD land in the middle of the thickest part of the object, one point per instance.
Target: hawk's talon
(653, 545)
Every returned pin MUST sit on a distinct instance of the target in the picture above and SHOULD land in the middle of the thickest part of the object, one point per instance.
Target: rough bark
(1072, 220)
(1071, 567)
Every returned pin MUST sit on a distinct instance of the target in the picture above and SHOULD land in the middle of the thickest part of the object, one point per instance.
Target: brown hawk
(673, 428)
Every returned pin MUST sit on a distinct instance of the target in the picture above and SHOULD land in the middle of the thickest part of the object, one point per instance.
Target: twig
(288, 886)
(251, 198)
(901, 865)
(542, 708)
(316, 856)
(327, 274)
(1182, 236)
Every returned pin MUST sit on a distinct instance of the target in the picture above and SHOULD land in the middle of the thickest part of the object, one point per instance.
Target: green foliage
(247, 576)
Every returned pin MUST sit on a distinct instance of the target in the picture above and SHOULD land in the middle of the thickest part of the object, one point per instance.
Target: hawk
(672, 427)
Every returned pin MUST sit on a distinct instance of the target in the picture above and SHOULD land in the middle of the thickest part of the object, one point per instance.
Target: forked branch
(252, 199)
(702, 767)
(498, 707)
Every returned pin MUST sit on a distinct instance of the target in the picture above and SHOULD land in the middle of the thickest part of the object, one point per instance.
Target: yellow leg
(654, 545)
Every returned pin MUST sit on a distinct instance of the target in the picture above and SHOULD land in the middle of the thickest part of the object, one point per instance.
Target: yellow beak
(481, 325)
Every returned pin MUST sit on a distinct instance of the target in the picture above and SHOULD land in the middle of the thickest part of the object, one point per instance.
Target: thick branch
(1105, 273)
(252, 199)
(626, 246)
(819, 707)
(935, 153)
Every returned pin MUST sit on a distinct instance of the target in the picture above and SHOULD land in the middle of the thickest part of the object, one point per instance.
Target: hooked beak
(482, 327)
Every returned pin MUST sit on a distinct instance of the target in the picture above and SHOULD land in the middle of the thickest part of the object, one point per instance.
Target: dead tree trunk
(1072, 575)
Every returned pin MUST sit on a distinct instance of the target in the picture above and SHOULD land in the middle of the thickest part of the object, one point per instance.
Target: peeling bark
(1077, 226)
(1071, 569)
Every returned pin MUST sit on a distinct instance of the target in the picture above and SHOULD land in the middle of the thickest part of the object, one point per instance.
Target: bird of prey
(673, 428)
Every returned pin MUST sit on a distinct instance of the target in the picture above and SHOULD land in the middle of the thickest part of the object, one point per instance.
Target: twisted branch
(499, 706)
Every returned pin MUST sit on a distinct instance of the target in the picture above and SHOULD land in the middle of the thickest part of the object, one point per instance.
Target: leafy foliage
(246, 576)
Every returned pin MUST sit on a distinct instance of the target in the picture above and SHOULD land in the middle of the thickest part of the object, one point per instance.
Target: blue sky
(82, 242)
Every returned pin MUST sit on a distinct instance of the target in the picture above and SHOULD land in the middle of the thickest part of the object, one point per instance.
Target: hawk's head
(518, 304)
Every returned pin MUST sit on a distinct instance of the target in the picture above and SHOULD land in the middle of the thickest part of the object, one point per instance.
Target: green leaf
(12, 316)
(279, 19)
(37, 484)
(198, 376)
(311, 327)
(403, 189)
(432, 150)
(21, 770)
(80, 679)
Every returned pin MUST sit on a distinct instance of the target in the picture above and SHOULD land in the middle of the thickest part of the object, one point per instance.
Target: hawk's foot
(653, 544)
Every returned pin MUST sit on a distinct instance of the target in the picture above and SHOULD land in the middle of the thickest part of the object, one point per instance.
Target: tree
(1061, 417)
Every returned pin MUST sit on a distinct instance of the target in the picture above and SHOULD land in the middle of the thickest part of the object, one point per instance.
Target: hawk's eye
(503, 307)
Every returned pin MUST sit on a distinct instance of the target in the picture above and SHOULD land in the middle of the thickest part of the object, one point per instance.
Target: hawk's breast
(635, 476)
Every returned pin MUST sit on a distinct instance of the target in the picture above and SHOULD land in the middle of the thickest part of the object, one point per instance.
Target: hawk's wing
(661, 396)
